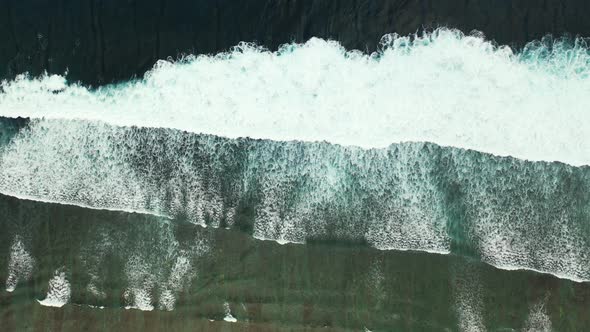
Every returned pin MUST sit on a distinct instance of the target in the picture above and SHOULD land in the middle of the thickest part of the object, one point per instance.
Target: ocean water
(442, 148)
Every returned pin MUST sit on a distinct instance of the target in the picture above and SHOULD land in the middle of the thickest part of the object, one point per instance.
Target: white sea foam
(58, 292)
(141, 281)
(228, 316)
(444, 87)
(145, 275)
(467, 291)
(20, 264)
(538, 320)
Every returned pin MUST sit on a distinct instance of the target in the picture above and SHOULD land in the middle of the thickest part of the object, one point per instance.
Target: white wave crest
(443, 87)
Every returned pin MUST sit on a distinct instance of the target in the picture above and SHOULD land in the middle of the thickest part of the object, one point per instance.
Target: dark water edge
(267, 285)
(98, 42)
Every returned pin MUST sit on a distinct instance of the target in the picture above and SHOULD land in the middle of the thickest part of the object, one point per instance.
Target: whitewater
(443, 87)
(376, 181)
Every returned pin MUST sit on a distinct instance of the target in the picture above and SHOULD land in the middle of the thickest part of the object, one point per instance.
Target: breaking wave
(442, 87)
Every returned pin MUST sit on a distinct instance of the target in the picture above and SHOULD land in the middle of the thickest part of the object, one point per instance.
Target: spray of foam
(180, 275)
(375, 282)
(467, 290)
(228, 316)
(59, 290)
(20, 264)
(150, 285)
(141, 282)
(442, 87)
(538, 319)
